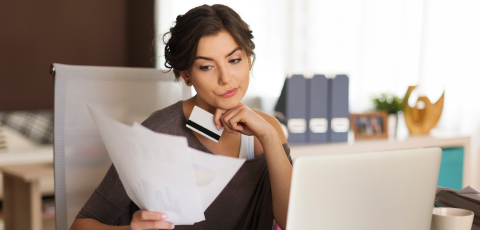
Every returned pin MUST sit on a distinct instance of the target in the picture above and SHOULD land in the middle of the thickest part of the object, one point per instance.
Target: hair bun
(179, 17)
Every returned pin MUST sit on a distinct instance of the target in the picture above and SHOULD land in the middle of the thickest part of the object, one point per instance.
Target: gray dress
(245, 203)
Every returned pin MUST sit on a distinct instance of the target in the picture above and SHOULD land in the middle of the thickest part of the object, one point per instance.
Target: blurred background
(383, 46)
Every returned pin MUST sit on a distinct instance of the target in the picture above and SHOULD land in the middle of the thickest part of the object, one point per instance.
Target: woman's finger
(227, 122)
(240, 127)
(235, 120)
(147, 215)
(226, 115)
(227, 126)
(230, 113)
(217, 116)
(155, 224)
(152, 224)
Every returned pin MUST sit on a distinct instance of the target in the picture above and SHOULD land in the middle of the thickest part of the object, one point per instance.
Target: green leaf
(388, 102)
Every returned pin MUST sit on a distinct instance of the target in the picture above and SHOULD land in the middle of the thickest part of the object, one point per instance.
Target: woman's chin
(228, 103)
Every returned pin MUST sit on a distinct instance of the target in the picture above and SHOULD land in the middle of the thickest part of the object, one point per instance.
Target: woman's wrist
(267, 135)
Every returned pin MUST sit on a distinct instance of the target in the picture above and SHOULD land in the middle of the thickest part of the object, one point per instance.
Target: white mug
(451, 219)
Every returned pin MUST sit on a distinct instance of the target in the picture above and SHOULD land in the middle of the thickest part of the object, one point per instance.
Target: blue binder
(317, 109)
(292, 103)
(339, 117)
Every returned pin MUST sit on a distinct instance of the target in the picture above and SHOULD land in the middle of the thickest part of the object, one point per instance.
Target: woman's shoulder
(166, 119)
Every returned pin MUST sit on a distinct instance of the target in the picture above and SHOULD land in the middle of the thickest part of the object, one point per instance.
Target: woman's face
(220, 73)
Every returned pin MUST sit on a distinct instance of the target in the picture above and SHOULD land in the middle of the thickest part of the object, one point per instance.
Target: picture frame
(370, 125)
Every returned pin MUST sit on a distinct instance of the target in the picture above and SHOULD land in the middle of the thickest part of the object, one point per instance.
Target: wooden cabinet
(33, 155)
(22, 204)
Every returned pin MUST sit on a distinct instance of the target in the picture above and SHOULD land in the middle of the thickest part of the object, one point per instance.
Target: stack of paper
(161, 173)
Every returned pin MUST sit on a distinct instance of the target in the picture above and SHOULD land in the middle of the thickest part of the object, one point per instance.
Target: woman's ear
(250, 62)
(186, 78)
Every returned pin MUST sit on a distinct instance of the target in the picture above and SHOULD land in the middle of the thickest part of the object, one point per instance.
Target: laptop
(364, 191)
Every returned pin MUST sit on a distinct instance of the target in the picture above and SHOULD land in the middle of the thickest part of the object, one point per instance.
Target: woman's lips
(230, 93)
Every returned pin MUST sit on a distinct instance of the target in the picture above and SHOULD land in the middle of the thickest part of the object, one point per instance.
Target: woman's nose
(224, 77)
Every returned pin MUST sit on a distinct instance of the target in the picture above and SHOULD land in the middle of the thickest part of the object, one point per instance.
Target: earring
(188, 82)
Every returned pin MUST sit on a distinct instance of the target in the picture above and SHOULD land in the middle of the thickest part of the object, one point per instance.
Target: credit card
(201, 122)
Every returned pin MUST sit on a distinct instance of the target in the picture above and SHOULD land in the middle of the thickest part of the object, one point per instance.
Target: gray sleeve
(108, 201)
(287, 152)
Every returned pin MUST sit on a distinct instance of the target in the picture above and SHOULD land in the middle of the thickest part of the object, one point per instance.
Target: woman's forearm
(280, 172)
(87, 223)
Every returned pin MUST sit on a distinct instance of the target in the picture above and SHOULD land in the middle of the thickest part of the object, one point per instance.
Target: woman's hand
(143, 219)
(242, 119)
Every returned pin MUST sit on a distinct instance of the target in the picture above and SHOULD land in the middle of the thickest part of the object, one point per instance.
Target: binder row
(315, 109)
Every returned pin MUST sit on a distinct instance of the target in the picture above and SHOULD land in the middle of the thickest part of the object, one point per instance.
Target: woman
(211, 49)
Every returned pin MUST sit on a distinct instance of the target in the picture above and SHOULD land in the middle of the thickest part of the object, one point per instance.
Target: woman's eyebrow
(206, 58)
(234, 50)
(211, 59)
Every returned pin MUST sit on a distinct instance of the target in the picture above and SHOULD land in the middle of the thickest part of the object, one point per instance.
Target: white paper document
(161, 173)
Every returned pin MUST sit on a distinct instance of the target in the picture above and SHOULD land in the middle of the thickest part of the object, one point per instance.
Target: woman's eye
(235, 60)
(205, 68)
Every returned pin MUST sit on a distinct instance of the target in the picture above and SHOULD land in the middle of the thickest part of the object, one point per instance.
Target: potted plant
(393, 105)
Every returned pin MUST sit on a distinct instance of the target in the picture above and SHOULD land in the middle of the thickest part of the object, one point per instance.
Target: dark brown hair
(205, 20)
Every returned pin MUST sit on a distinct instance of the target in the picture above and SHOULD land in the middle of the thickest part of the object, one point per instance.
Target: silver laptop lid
(364, 191)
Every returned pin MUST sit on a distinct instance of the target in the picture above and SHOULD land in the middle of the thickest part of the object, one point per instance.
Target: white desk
(375, 145)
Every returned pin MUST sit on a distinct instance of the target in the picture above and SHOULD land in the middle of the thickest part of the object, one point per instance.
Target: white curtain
(384, 46)
(450, 61)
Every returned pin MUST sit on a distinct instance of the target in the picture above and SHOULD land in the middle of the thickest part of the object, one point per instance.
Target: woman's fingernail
(236, 133)
(173, 226)
(218, 127)
(164, 216)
